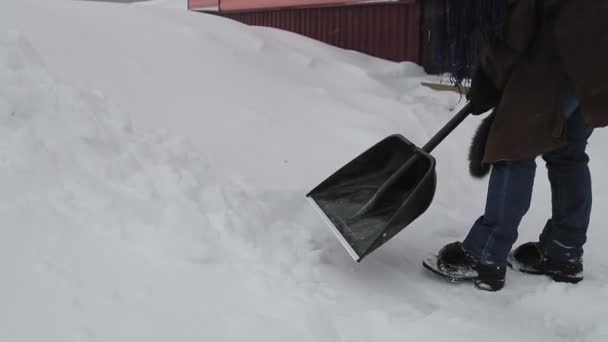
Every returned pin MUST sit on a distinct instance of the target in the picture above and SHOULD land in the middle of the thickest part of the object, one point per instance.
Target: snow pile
(173, 4)
(224, 84)
(87, 202)
(154, 170)
(83, 164)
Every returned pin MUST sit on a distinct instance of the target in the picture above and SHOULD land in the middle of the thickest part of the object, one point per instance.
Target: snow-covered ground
(154, 164)
(175, 4)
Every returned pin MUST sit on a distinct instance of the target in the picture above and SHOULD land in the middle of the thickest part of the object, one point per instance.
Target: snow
(173, 4)
(154, 165)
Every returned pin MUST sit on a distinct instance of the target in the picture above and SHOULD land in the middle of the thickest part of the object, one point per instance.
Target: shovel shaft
(384, 188)
(448, 128)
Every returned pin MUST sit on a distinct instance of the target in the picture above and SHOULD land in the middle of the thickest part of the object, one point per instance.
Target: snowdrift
(154, 164)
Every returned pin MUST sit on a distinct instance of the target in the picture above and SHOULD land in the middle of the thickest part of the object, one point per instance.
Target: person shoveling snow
(544, 81)
(546, 84)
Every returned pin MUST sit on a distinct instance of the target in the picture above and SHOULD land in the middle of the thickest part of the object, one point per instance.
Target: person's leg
(566, 232)
(509, 194)
(560, 248)
(482, 256)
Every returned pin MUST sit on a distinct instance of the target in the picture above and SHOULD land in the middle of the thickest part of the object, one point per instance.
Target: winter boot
(530, 258)
(454, 264)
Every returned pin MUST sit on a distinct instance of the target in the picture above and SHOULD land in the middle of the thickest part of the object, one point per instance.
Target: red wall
(239, 5)
(386, 30)
(201, 4)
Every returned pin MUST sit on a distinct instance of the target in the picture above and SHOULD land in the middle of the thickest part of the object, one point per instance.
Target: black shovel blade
(341, 197)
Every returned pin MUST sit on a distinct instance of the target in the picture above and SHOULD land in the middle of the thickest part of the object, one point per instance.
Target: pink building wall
(202, 4)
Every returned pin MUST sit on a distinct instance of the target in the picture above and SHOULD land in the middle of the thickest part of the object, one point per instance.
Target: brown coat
(531, 69)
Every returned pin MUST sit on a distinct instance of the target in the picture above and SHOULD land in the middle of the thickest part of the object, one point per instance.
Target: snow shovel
(379, 193)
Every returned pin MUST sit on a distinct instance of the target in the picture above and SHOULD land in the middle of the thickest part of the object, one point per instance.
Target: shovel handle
(448, 128)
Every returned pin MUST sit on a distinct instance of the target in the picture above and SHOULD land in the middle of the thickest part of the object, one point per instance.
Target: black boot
(455, 265)
(529, 258)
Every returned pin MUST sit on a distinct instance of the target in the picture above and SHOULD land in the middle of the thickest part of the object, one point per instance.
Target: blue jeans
(510, 190)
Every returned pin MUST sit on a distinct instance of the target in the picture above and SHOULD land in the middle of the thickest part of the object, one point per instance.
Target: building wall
(389, 31)
(203, 4)
(385, 29)
(241, 5)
